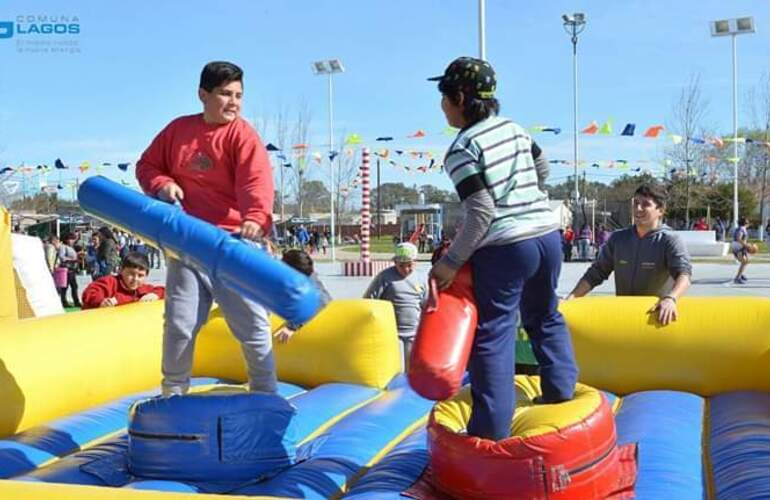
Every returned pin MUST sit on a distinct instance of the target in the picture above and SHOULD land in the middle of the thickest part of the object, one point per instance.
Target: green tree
(394, 193)
(316, 196)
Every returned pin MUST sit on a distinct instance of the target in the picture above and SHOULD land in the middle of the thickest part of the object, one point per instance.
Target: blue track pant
(506, 278)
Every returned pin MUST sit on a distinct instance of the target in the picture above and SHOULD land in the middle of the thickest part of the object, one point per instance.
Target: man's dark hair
(654, 191)
(218, 73)
(475, 108)
(135, 260)
(299, 260)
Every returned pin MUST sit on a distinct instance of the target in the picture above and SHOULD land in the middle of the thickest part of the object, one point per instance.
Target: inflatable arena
(681, 411)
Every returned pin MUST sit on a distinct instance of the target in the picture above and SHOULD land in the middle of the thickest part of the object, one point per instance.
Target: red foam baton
(444, 339)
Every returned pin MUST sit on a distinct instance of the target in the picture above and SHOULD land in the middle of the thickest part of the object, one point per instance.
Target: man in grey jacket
(643, 257)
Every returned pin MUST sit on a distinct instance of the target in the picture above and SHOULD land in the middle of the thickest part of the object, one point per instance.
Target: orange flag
(591, 129)
(654, 131)
(419, 133)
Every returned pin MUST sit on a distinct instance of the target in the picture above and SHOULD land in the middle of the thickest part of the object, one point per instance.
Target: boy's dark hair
(135, 260)
(299, 260)
(475, 108)
(218, 73)
(654, 191)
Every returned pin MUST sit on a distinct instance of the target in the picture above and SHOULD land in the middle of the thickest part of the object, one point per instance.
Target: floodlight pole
(331, 167)
(735, 134)
(482, 31)
(574, 24)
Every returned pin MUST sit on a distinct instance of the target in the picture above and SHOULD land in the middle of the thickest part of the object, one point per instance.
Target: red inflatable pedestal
(444, 339)
(580, 460)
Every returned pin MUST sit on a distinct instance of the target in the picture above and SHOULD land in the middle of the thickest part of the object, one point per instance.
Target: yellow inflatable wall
(718, 344)
(352, 341)
(57, 365)
(8, 306)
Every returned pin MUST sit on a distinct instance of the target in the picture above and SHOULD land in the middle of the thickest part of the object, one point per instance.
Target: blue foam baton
(215, 252)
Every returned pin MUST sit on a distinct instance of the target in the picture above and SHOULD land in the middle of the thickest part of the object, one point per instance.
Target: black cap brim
(436, 78)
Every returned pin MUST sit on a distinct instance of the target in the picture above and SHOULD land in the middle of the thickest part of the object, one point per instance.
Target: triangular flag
(332, 155)
(717, 141)
(123, 166)
(555, 130)
(383, 153)
(299, 146)
(698, 140)
(676, 139)
(11, 186)
(6, 169)
(271, 147)
(629, 129)
(654, 131)
(317, 157)
(591, 129)
(606, 128)
(59, 164)
(352, 139)
(419, 133)
(536, 128)
(386, 138)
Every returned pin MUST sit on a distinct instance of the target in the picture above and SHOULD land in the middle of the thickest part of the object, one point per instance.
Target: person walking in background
(584, 238)
(719, 229)
(602, 235)
(568, 238)
(741, 249)
(68, 259)
(108, 253)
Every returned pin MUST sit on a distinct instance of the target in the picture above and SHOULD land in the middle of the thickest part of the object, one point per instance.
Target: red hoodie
(112, 286)
(223, 170)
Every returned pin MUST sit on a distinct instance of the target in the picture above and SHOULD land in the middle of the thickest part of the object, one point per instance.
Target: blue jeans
(506, 278)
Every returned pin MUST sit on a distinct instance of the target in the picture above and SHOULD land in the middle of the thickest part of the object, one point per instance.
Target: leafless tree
(298, 155)
(759, 101)
(688, 114)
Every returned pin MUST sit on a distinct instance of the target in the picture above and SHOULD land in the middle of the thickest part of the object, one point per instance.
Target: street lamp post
(574, 24)
(329, 67)
(731, 28)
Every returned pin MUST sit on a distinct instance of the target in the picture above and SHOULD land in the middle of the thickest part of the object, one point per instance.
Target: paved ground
(709, 278)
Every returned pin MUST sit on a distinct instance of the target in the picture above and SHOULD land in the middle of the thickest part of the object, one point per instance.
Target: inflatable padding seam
(380, 454)
(708, 467)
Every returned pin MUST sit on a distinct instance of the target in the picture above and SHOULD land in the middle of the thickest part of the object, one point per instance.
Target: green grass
(383, 244)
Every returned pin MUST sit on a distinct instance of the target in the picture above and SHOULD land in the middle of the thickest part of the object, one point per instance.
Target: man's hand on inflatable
(171, 193)
(666, 309)
(443, 274)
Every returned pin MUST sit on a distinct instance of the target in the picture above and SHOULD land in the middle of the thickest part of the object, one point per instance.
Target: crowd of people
(99, 253)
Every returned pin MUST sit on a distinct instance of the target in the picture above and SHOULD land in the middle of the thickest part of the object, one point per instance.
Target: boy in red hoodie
(128, 286)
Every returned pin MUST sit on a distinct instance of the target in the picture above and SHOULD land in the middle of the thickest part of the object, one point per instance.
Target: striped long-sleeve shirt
(496, 155)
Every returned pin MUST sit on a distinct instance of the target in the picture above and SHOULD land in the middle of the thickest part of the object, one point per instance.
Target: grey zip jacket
(642, 266)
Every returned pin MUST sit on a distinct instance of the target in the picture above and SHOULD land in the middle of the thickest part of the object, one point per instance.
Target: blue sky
(138, 66)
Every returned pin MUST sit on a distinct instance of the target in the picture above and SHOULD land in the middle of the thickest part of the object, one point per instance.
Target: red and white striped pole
(366, 216)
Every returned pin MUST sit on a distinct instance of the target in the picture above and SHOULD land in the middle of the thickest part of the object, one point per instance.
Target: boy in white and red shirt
(128, 286)
(215, 165)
